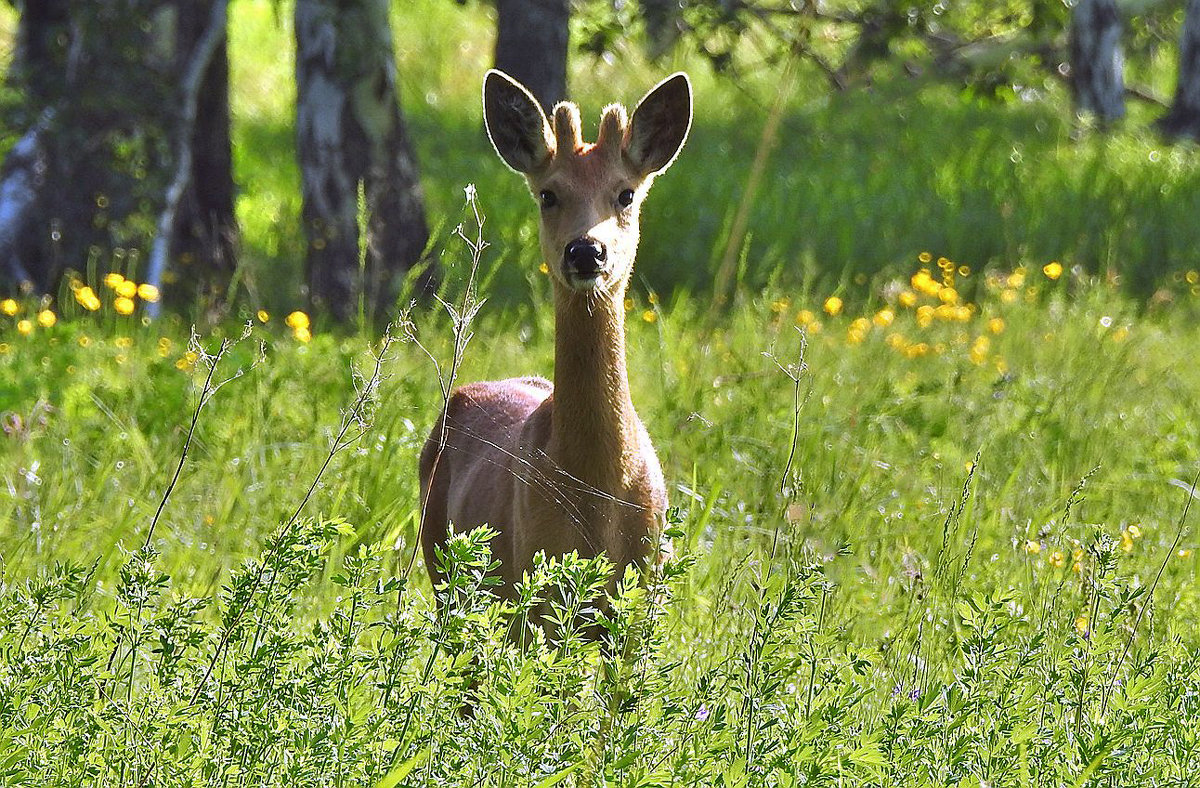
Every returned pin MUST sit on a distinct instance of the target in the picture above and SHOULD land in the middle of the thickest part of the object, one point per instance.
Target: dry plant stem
(355, 415)
(766, 145)
(1179, 532)
(795, 373)
(461, 316)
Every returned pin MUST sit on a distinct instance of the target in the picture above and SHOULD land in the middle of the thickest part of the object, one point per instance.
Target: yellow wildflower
(9, 307)
(925, 257)
(123, 305)
(297, 320)
(884, 317)
(545, 269)
(777, 306)
(916, 350)
(948, 295)
(1126, 541)
(833, 305)
(649, 315)
(1033, 547)
(805, 317)
(25, 327)
(1184, 552)
(147, 292)
(964, 270)
(996, 325)
(127, 288)
(47, 318)
(113, 280)
(123, 342)
(907, 298)
(979, 349)
(924, 315)
(653, 297)
(1081, 624)
(302, 334)
(84, 340)
(1052, 270)
(263, 317)
(1057, 559)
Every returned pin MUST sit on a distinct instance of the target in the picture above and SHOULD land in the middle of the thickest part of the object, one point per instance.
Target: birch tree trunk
(531, 46)
(1183, 118)
(1097, 83)
(349, 133)
(96, 91)
(204, 246)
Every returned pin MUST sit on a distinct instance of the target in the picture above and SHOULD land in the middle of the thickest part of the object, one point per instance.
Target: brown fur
(563, 466)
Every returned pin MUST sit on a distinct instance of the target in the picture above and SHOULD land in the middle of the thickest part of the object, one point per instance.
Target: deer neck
(593, 424)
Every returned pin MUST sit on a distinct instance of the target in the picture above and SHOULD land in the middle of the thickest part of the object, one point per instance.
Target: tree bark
(97, 96)
(1097, 83)
(349, 133)
(204, 242)
(531, 46)
(1183, 118)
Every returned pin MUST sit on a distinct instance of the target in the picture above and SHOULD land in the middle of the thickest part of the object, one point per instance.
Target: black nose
(584, 257)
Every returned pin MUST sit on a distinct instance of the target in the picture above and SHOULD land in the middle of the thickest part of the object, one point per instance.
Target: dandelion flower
(833, 306)
(25, 327)
(302, 333)
(148, 292)
(113, 279)
(996, 325)
(263, 317)
(907, 298)
(1126, 541)
(545, 269)
(884, 317)
(9, 307)
(123, 305)
(1057, 559)
(126, 289)
(805, 317)
(1052, 270)
(47, 318)
(1033, 547)
(297, 320)
(1081, 624)
(649, 316)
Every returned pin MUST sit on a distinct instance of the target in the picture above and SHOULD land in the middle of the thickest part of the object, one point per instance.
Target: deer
(566, 465)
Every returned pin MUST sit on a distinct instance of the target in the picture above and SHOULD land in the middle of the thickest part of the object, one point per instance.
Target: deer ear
(515, 123)
(660, 125)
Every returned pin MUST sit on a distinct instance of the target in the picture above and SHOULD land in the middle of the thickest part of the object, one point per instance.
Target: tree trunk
(1096, 62)
(1183, 118)
(204, 245)
(97, 93)
(349, 133)
(531, 46)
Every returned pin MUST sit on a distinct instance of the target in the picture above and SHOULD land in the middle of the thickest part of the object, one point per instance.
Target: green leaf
(400, 772)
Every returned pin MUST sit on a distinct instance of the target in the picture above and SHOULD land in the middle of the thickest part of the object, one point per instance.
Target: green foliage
(942, 546)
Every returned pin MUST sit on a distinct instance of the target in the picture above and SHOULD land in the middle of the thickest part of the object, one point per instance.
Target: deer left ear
(660, 125)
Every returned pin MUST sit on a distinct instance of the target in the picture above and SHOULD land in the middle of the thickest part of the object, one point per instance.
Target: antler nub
(567, 133)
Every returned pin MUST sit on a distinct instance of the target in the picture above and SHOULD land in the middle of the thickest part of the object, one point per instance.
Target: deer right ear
(515, 123)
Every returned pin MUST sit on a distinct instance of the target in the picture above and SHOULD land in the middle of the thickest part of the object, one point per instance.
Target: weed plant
(944, 540)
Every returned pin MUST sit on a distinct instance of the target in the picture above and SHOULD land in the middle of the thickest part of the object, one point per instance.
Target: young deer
(563, 466)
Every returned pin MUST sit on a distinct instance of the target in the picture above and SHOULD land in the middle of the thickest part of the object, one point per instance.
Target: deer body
(569, 465)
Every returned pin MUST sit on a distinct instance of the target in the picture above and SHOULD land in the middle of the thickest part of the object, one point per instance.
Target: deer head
(590, 193)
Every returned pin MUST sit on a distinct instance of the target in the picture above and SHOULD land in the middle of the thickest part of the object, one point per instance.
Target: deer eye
(548, 198)
(625, 198)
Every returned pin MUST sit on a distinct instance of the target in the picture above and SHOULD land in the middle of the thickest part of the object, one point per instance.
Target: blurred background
(270, 154)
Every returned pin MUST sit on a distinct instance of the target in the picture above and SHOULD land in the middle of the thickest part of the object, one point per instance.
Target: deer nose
(584, 257)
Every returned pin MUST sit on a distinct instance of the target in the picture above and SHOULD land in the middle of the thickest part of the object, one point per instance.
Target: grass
(931, 521)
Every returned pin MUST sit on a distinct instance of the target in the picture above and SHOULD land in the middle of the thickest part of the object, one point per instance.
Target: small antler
(567, 132)
(613, 123)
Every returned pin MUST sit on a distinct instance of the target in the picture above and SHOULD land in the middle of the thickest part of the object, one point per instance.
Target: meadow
(930, 467)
